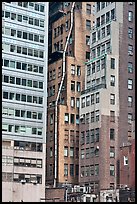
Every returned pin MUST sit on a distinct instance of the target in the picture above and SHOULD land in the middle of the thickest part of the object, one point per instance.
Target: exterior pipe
(56, 103)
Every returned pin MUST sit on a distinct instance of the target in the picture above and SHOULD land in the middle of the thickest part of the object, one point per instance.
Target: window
(97, 97)
(103, 49)
(112, 134)
(112, 170)
(78, 70)
(98, 65)
(130, 67)
(71, 151)
(66, 117)
(103, 63)
(97, 135)
(130, 101)
(112, 152)
(88, 69)
(92, 116)
(112, 63)
(78, 87)
(107, 17)
(13, 16)
(97, 115)
(103, 32)
(91, 170)
(7, 14)
(72, 118)
(87, 39)
(73, 69)
(130, 84)
(103, 19)
(112, 99)
(77, 102)
(87, 55)
(112, 116)
(82, 153)
(130, 33)
(108, 30)
(98, 34)
(72, 102)
(72, 85)
(102, 5)
(112, 14)
(88, 8)
(77, 119)
(93, 68)
(108, 47)
(51, 119)
(98, 6)
(87, 137)
(96, 169)
(130, 118)
(87, 100)
(94, 37)
(65, 169)
(130, 16)
(93, 53)
(112, 80)
(88, 24)
(83, 102)
(92, 135)
(13, 32)
(130, 50)
(6, 79)
(12, 96)
(125, 160)
(71, 169)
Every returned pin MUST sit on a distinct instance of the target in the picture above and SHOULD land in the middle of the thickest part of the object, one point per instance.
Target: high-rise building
(24, 100)
(69, 33)
(107, 106)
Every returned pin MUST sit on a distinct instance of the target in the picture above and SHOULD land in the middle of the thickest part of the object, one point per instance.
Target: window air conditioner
(81, 117)
(23, 181)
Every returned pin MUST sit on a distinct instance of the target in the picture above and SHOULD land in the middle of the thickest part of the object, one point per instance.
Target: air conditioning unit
(81, 117)
(130, 3)
(23, 181)
(34, 182)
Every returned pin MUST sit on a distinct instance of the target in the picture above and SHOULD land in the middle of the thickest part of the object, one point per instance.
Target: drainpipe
(56, 103)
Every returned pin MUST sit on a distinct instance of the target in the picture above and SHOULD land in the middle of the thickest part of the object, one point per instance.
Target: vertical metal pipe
(56, 103)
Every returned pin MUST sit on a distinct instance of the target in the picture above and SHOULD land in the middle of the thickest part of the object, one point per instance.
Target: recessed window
(112, 99)
(65, 169)
(65, 151)
(112, 80)
(130, 33)
(88, 24)
(112, 134)
(112, 170)
(125, 160)
(130, 118)
(130, 16)
(73, 69)
(112, 116)
(112, 152)
(72, 85)
(130, 101)
(130, 67)
(88, 8)
(130, 50)
(66, 118)
(130, 84)
(96, 169)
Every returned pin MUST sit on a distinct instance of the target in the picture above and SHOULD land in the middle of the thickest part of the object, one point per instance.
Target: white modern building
(24, 100)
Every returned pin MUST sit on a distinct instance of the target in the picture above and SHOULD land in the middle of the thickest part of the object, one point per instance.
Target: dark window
(18, 81)
(71, 169)
(5, 95)
(112, 134)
